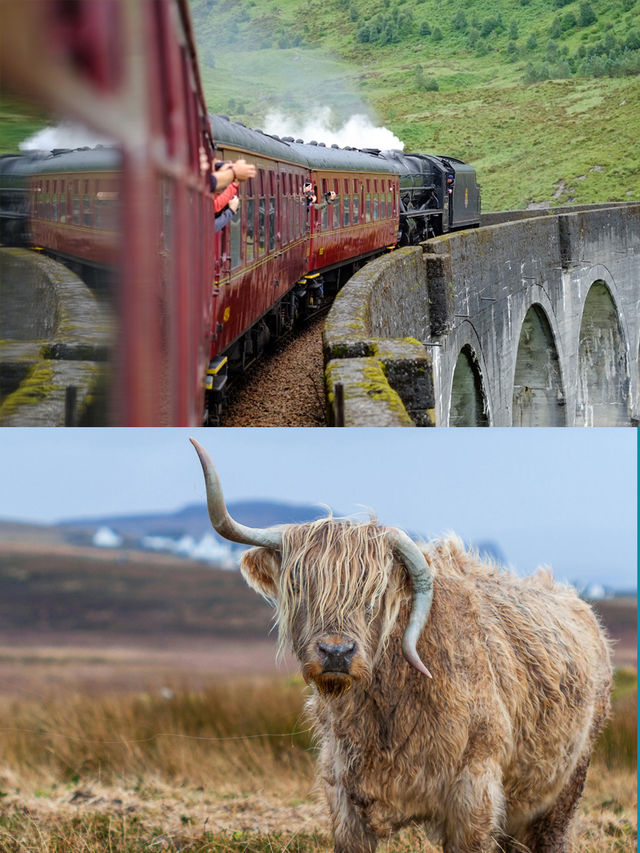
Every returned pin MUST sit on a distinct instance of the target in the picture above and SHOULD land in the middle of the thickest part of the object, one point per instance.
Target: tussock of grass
(618, 743)
(218, 735)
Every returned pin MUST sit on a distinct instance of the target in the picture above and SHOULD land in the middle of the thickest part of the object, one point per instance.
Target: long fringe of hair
(342, 573)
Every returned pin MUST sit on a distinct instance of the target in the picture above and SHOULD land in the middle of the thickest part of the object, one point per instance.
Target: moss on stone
(34, 388)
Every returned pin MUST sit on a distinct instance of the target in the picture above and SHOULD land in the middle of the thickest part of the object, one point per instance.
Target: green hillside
(542, 97)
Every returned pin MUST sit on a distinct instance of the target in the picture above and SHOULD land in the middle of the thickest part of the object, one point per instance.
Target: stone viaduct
(532, 319)
(55, 338)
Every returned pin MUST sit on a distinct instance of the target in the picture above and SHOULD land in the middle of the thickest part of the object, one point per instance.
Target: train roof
(311, 156)
(99, 159)
(344, 159)
(236, 134)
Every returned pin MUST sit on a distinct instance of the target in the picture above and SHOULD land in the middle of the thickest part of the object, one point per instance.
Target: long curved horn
(422, 581)
(270, 537)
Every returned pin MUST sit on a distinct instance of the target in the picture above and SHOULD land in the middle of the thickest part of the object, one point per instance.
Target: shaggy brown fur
(491, 753)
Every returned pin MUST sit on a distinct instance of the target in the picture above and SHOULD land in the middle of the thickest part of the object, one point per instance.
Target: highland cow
(489, 746)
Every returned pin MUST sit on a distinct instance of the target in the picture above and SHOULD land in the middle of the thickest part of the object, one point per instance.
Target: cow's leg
(475, 808)
(351, 832)
(358, 840)
(549, 832)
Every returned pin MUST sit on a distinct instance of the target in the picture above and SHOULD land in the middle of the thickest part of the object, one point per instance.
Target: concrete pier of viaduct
(531, 320)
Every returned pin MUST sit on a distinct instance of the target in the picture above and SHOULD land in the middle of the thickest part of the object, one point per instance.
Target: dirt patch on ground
(79, 664)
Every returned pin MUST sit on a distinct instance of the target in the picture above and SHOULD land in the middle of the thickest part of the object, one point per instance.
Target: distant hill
(192, 520)
(67, 590)
(543, 98)
(69, 594)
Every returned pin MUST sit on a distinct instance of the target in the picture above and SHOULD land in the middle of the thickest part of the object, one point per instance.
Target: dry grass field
(223, 768)
(145, 739)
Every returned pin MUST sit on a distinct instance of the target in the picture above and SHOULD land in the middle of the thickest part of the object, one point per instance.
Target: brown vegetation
(226, 768)
(142, 740)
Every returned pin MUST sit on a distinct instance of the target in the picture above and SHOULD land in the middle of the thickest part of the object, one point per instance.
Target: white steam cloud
(358, 131)
(64, 135)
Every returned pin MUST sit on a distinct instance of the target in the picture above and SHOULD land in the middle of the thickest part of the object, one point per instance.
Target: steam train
(207, 305)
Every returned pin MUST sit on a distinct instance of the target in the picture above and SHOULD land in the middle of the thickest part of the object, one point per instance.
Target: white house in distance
(105, 537)
(208, 549)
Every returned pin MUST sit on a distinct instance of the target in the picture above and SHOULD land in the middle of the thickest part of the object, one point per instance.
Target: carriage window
(63, 208)
(250, 228)
(368, 207)
(356, 211)
(294, 216)
(272, 223)
(76, 210)
(262, 215)
(375, 207)
(235, 227)
(87, 211)
(345, 210)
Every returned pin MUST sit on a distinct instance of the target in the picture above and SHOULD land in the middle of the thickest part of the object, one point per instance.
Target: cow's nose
(336, 657)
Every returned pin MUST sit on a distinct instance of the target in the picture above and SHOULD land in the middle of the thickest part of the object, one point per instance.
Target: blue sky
(561, 497)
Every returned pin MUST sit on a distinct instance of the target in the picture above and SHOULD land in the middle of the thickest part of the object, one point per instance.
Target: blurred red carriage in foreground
(128, 70)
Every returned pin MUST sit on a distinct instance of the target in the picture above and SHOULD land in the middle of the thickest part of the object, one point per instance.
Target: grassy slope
(557, 141)
(561, 140)
(18, 121)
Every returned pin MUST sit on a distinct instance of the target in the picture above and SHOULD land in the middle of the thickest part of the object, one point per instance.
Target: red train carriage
(128, 70)
(279, 253)
(262, 253)
(363, 219)
(74, 205)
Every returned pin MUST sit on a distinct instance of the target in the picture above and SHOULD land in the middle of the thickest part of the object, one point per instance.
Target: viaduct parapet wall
(54, 344)
(531, 321)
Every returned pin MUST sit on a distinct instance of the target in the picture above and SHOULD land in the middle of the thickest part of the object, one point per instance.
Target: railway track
(285, 388)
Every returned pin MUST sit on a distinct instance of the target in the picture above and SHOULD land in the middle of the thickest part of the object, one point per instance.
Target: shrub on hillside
(459, 21)
(587, 16)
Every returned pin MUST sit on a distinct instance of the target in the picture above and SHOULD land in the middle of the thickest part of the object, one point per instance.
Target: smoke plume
(357, 131)
(64, 135)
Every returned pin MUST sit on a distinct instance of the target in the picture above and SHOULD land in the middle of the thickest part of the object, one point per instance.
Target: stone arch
(538, 395)
(603, 368)
(468, 403)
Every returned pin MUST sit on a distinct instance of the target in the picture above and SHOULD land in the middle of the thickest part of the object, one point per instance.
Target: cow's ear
(260, 568)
